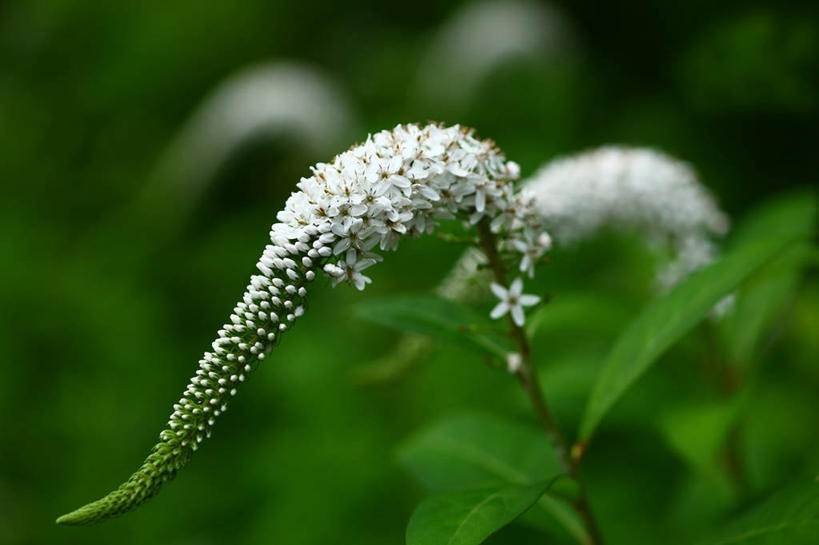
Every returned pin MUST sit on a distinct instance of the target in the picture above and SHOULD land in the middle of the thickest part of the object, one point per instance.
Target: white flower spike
(397, 183)
(512, 301)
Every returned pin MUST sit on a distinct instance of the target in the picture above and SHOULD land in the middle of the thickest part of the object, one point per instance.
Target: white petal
(499, 291)
(517, 315)
(341, 246)
(499, 310)
(520, 246)
(517, 286)
(528, 300)
(361, 281)
(480, 200)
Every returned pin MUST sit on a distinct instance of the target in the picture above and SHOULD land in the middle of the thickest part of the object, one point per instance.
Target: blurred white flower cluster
(631, 188)
(291, 100)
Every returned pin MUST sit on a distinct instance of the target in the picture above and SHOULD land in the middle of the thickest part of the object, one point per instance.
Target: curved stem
(529, 381)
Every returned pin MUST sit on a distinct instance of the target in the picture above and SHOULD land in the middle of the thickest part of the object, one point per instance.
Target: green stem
(529, 381)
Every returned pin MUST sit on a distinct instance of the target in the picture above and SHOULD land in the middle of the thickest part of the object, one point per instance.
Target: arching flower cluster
(397, 183)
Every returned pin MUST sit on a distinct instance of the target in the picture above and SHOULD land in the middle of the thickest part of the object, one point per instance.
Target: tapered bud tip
(72, 519)
(87, 514)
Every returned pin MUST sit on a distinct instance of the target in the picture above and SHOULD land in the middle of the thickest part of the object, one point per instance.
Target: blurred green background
(117, 269)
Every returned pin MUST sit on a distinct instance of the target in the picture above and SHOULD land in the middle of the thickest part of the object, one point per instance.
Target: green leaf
(761, 299)
(469, 517)
(760, 302)
(697, 431)
(472, 450)
(438, 318)
(790, 516)
(586, 312)
(670, 317)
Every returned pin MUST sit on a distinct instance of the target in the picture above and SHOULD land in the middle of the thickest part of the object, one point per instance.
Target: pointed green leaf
(469, 517)
(475, 450)
(472, 450)
(670, 317)
(438, 318)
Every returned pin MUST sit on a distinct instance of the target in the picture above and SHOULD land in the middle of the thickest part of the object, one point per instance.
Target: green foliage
(669, 318)
(697, 431)
(470, 450)
(770, 56)
(573, 312)
(469, 517)
(439, 318)
(102, 314)
(790, 515)
(760, 300)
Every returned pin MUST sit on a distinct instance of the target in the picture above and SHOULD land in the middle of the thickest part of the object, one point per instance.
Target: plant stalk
(529, 381)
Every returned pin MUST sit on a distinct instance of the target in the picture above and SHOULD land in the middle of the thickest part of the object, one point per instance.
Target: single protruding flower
(512, 301)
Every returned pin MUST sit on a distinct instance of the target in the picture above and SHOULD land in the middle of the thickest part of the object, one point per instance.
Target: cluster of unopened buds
(397, 183)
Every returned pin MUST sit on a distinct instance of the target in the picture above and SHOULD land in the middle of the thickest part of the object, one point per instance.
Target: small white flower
(512, 300)
(532, 251)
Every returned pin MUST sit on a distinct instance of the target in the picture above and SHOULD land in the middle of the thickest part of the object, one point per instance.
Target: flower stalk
(527, 376)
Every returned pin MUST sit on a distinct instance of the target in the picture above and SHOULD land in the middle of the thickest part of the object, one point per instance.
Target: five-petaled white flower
(512, 300)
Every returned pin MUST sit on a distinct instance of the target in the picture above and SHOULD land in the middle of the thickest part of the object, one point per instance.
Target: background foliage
(105, 308)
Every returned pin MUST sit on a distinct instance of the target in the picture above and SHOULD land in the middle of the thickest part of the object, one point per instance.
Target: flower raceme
(397, 183)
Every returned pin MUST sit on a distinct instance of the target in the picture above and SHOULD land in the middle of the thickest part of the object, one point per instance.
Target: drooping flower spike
(397, 183)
